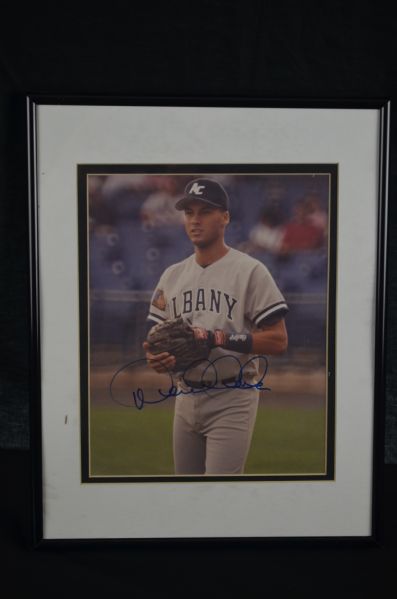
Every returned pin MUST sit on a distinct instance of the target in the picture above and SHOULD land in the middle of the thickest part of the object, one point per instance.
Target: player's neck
(208, 255)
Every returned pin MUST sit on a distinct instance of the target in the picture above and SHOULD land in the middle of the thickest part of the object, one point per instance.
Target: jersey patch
(159, 300)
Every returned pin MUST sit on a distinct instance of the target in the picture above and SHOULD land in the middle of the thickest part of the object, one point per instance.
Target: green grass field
(130, 442)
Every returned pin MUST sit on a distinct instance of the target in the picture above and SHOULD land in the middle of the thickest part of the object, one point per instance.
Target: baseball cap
(204, 190)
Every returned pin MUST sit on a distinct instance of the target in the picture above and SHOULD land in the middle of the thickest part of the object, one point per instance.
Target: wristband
(238, 342)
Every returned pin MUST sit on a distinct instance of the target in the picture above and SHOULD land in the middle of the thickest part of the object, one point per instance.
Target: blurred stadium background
(134, 234)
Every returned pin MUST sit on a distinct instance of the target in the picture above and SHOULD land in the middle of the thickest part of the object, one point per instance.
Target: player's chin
(200, 242)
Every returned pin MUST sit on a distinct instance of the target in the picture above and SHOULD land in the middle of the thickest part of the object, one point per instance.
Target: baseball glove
(189, 345)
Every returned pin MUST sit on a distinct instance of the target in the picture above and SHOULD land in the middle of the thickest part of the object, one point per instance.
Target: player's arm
(265, 309)
(272, 338)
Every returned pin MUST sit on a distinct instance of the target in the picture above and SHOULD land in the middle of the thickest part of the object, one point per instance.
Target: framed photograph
(207, 317)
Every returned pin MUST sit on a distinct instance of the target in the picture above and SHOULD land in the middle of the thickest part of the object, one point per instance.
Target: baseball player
(231, 304)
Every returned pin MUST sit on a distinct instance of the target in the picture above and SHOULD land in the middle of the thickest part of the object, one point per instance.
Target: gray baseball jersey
(236, 294)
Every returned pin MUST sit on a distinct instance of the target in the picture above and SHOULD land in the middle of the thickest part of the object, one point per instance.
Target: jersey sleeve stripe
(280, 306)
(156, 311)
(156, 318)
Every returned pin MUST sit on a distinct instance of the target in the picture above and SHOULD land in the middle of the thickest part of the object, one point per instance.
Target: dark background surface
(270, 49)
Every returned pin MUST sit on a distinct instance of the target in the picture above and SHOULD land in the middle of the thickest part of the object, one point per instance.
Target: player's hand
(163, 362)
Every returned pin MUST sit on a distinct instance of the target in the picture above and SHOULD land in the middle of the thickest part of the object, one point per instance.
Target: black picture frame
(383, 107)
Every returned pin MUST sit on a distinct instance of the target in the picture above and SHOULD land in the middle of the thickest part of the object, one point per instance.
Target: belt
(206, 384)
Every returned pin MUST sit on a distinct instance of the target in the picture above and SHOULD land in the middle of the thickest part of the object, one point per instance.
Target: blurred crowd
(305, 230)
(135, 231)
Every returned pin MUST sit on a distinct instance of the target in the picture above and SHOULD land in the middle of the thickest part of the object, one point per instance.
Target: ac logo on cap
(196, 189)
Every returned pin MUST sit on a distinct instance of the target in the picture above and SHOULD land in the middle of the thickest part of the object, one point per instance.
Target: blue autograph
(138, 395)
